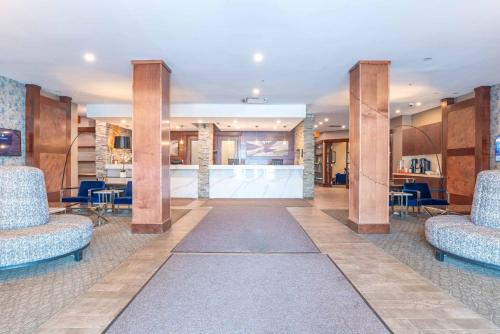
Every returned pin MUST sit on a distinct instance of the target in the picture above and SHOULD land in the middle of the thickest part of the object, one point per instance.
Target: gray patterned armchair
(477, 237)
(27, 233)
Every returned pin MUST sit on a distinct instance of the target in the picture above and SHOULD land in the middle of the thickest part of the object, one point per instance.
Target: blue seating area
(421, 195)
(85, 192)
(340, 178)
(126, 199)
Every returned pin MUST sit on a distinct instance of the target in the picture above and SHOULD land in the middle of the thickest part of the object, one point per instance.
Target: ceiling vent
(254, 100)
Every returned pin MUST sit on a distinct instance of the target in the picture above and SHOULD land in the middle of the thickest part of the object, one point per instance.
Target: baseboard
(152, 228)
(369, 228)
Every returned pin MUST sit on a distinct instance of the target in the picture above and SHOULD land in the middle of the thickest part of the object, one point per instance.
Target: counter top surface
(418, 175)
(192, 167)
(269, 167)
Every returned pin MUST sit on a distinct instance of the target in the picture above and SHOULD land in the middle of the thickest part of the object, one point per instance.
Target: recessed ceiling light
(89, 57)
(255, 91)
(235, 121)
(278, 121)
(275, 127)
(343, 126)
(177, 127)
(123, 121)
(238, 127)
(315, 126)
(326, 119)
(258, 57)
(320, 123)
(418, 104)
(200, 121)
(398, 111)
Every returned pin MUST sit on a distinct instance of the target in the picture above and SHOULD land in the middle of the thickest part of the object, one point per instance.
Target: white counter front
(256, 181)
(184, 181)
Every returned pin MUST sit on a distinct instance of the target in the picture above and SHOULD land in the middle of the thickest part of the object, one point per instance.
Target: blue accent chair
(126, 199)
(340, 178)
(421, 195)
(85, 192)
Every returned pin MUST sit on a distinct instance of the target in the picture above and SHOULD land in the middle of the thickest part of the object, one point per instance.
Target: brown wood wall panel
(48, 125)
(461, 128)
(466, 127)
(184, 153)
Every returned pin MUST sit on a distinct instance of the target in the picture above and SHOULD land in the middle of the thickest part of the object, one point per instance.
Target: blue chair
(340, 178)
(421, 195)
(85, 192)
(127, 196)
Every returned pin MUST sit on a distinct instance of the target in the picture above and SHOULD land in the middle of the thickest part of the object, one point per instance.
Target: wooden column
(369, 147)
(150, 142)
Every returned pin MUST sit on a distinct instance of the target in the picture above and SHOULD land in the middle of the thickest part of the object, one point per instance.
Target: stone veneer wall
(298, 133)
(104, 145)
(495, 122)
(309, 156)
(13, 115)
(205, 158)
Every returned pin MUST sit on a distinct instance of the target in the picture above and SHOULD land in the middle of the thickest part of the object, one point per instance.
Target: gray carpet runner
(248, 293)
(247, 230)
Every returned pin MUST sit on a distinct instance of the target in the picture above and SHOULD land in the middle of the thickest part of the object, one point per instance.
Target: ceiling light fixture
(278, 121)
(235, 121)
(89, 57)
(200, 121)
(275, 127)
(123, 121)
(326, 119)
(320, 123)
(255, 91)
(315, 126)
(181, 142)
(418, 104)
(258, 57)
(177, 127)
(398, 111)
(343, 126)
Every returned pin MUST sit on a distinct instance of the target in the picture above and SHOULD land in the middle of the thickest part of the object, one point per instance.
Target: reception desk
(184, 181)
(256, 181)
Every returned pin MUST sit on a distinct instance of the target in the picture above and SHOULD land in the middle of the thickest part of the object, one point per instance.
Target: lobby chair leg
(78, 255)
(439, 255)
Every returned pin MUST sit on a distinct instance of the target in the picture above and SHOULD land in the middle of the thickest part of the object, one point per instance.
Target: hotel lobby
(249, 167)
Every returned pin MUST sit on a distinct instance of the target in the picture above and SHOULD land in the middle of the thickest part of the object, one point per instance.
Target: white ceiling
(308, 46)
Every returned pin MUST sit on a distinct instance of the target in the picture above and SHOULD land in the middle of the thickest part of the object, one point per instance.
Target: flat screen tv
(10, 142)
(497, 149)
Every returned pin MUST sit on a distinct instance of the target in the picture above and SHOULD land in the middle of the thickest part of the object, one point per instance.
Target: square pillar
(369, 147)
(308, 184)
(150, 143)
(205, 158)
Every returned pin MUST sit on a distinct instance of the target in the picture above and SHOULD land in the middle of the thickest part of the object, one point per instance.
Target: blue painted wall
(13, 114)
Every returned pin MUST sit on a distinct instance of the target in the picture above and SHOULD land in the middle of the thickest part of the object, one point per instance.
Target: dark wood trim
(152, 228)
(369, 228)
(66, 100)
(32, 124)
(456, 152)
(461, 105)
(89, 129)
(446, 103)
(460, 199)
(482, 119)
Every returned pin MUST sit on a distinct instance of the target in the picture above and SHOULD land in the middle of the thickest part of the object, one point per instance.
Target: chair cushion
(457, 235)
(23, 200)
(62, 235)
(75, 199)
(123, 200)
(422, 187)
(83, 190)
(486, 205)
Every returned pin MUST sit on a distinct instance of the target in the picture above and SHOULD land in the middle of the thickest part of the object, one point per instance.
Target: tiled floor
(407, 302)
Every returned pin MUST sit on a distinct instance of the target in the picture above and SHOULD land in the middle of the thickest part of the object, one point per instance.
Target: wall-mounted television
(10, 142)
(497, 149)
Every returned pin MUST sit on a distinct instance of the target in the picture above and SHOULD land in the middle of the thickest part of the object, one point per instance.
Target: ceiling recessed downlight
(343, 126)
(200, 121)
(320, 123)
(89, 57)
(315, 126)
(255, 91)
(326, 119)
(278, 121)
(123, 121)
(398, 111)
(235, 121)
(418, 104)
(258, 57)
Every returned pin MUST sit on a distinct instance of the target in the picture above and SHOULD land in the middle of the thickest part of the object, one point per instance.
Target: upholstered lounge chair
(475, 238)
(28, 234)
(127, 195)
(421, 195)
